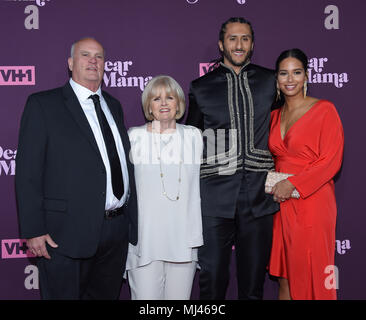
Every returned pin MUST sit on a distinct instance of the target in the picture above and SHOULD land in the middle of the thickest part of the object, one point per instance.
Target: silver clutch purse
(273, 177)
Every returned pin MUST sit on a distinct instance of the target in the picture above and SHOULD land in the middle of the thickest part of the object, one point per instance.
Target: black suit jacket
(238, 106)
(60, 174)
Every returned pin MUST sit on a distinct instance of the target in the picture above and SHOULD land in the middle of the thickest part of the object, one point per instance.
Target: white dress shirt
(87, 105)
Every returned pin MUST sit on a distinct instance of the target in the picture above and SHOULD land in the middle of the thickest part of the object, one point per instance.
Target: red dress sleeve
(324, 168)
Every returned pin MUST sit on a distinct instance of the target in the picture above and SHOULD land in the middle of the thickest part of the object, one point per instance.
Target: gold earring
(278, 93)
(305, 88)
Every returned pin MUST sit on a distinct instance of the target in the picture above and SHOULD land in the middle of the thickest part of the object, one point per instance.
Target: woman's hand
(282, 190)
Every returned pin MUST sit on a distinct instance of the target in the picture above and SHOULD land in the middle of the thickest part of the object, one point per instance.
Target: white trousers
(161, 280)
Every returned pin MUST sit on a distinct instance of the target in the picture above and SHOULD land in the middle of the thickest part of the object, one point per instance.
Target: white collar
(82, 92)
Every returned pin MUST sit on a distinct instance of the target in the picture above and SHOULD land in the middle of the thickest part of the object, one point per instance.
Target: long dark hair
(293, 53)
(215, 62)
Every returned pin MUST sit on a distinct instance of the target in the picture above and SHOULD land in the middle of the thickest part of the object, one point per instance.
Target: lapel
(116, 113)
(73, 105)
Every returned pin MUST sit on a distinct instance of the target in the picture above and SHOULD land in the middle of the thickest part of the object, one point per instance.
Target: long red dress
(303, 246)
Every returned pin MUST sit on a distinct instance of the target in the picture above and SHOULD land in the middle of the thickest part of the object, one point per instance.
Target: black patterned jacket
(233, 112)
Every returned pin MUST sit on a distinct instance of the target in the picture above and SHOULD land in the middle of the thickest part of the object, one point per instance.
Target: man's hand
(38, 245)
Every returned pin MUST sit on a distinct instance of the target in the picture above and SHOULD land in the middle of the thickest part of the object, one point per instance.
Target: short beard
(227, 55)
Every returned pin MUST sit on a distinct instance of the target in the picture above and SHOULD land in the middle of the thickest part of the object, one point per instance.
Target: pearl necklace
(176, 198)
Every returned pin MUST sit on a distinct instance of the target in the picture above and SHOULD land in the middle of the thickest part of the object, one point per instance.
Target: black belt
(109, 214)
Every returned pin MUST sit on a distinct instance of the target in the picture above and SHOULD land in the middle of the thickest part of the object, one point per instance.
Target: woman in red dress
(306, 140)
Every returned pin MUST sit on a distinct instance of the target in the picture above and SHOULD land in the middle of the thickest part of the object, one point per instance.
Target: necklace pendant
(159, 157)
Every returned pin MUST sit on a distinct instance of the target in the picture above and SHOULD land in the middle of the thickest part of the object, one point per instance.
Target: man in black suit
(232, 106)
(75, 183)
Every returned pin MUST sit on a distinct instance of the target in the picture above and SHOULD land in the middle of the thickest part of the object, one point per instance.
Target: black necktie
(114, 161)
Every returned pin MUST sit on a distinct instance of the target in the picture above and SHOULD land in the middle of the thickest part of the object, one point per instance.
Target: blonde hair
(171, 87)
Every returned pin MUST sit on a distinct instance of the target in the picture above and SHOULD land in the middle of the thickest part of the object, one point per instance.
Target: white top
(167, 230)
(87, 105)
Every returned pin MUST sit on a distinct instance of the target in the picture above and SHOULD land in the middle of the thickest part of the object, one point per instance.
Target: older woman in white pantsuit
(166, 156)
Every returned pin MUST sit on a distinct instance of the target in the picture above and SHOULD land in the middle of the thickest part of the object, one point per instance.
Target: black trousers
(252, 238)
(98, 277)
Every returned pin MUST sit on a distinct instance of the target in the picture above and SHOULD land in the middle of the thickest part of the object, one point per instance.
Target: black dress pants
(252, 238)
(98, 277)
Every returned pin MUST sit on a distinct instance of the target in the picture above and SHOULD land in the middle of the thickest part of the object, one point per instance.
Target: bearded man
(232, 105)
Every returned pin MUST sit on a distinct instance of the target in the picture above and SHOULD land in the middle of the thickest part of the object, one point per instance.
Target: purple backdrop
(146, 38)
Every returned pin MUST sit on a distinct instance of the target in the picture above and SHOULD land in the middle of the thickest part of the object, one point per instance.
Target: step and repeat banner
(145, 38)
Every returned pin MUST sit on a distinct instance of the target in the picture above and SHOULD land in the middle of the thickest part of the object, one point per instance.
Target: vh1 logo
(15, 248)
(205, 68)
(17, 76)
